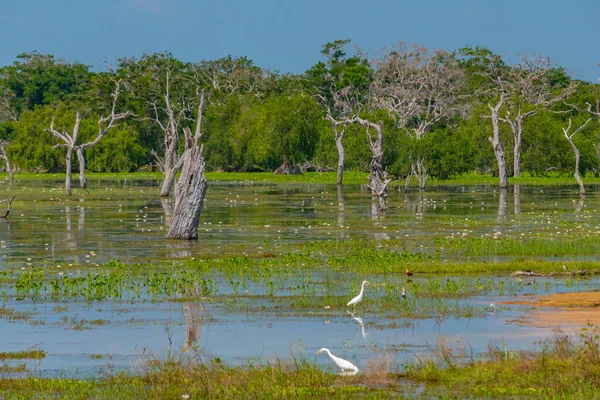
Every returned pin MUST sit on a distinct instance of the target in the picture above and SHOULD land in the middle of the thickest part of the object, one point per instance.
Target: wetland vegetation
(94, 300)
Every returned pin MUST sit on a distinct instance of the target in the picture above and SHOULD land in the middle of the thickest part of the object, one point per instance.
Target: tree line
(411, 113)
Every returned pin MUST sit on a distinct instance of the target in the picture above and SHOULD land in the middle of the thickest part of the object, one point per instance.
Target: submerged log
(8, 208)
(561, 273)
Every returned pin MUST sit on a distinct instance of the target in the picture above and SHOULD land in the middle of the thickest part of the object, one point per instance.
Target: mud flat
(560, 310)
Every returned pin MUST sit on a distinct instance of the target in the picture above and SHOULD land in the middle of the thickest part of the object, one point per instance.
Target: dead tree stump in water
(189, 192)
(191, 186)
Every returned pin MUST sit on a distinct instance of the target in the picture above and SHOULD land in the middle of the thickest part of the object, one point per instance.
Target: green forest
(438, 111)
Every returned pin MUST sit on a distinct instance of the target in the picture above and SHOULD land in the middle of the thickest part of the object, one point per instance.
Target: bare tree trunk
(418, 170)
(191, 186)
(516, 125)
(70, 139)
(378, 178)
(68, 179)
(81, 159)
(409, 177)
(168, 180)
(3, 144)
(189, 192)
(495, 140)
(339, 136)
(421, 174)
(576, 151)
(517, 149)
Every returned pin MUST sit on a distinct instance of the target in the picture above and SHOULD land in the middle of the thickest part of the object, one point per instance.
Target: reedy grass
(23, 354)
(180, 378)
(562, 369)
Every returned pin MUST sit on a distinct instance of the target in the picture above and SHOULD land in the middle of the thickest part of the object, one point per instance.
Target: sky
(287, 35)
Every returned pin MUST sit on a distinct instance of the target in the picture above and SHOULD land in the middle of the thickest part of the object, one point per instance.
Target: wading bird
(407, 272)
(358, 298)
(345, 365)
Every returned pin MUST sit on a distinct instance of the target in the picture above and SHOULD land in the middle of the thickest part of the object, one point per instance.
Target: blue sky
(287, 35)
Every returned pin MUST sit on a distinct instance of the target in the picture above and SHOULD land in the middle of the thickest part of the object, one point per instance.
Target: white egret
(345, 365)
(358, 298)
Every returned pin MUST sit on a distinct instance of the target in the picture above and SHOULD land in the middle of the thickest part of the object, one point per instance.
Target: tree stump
(288, 168)
(189, 192)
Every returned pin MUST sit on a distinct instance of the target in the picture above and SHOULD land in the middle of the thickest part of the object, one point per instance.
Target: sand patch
(561, 310)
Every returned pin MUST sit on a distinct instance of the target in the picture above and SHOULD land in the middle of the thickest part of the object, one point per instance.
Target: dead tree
(378, 178)
(339, 130)
(569, 138)
(170, 162)
(221, 78)
(528, 88)
(3, 156)
(7, 111)
(191, 186)
(418, 88)
(70, 139)
(495, 140)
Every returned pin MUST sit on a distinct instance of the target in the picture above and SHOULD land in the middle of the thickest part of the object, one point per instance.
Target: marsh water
(125, 220)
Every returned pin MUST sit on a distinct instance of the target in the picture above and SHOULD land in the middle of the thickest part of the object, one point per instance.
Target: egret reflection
(358, 319)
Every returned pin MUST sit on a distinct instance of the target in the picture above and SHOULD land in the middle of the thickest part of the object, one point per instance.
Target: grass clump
(176, 379)
(23, 354)
(562, 369)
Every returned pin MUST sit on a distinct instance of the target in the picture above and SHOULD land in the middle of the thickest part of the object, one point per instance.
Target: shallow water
(125, 220)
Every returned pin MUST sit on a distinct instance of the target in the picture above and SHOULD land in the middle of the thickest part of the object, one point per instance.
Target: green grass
(176, 379)
(563, 368)
(350, 177)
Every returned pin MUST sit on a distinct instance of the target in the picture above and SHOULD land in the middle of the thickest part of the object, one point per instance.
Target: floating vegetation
(23, 354)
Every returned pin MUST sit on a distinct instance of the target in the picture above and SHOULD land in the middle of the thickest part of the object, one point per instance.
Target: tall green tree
(341, 83)
(36, 79)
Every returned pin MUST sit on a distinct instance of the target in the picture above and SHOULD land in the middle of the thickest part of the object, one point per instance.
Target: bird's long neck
(362, 288)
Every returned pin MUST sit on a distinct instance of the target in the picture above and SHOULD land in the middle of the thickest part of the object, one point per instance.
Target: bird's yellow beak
(319, 352)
